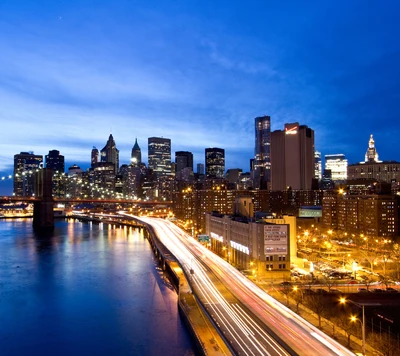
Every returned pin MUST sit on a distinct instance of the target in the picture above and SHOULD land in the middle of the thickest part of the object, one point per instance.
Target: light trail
(246, 334)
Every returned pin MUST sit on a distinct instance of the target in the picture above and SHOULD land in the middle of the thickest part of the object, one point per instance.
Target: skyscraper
(110, 153)
(317, 165)
(371, 155)
(292, 158)
(183, 159)
(103, 177)
(55, 161)
(215, 162)
(337, 164)
(25, 164)
(94, 156)
(200, 168)
(136, 156)
(262, 152)
(159, 155)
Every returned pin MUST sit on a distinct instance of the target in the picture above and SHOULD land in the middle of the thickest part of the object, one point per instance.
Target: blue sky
(197, 72)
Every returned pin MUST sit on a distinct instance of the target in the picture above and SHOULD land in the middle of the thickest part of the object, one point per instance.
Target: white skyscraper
(337, 164)
(317, 165)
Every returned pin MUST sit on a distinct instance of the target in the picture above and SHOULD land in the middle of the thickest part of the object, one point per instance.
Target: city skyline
(197, 74)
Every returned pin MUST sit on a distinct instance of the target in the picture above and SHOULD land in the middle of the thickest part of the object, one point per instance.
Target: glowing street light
(354, 319)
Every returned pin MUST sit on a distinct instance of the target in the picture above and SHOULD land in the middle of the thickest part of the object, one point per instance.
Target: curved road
(253, 322)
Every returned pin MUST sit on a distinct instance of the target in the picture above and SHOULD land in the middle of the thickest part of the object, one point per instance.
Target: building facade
(159, 156)
(261, 166)
(94, 157)
(25, 164)
(260, 247)
(373, 169)
(200, 168)
(371, 215)
(371, 155)
(183, 159)
(110, 153)
(55, 161)
(136, 154)
(215, 162)
(317, 165)
(103, 179)
(292, 158)
(337, 164)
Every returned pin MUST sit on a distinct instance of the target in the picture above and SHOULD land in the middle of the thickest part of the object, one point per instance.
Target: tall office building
(215, 162)
(233, 175)
(103, 178)
(371, 155)
(159, 155)
(25, 164)
(110, 153)
(200, 168)
(292, 158)
(183, 159)
(262, 152)
(95, 156)
(317, 165)
(55, 161)
(136, 155)
(337, 164)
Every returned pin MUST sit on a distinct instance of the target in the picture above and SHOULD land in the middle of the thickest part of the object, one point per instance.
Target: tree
(396, 258)
(286, 290)
(368, 249)
(317, 303)
(342, 320)
(367, 281)
(385, 280)
(386, 343)
(329, 283)
(297, 296)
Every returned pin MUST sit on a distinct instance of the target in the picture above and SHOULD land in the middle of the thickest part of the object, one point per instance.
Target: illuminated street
(247, 316)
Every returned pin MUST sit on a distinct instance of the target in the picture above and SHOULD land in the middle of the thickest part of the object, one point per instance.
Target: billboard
(310, 212)
(203, 238)
(276, 239)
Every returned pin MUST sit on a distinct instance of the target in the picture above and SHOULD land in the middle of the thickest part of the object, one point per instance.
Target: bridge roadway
(251, 321)
(7, 199)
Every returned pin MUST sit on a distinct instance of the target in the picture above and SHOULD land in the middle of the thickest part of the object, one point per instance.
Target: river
(86, 289)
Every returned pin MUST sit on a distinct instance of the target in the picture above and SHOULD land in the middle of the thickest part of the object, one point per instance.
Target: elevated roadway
(252, 322)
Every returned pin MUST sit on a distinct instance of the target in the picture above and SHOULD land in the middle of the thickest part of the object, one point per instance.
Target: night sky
(197, 72)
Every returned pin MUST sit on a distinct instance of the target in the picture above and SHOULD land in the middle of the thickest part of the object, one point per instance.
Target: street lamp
(353, 318)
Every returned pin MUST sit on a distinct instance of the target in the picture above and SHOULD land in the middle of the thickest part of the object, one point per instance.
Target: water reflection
(84, 289)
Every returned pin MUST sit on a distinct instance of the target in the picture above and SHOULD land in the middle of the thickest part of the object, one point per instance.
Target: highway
(251, 321)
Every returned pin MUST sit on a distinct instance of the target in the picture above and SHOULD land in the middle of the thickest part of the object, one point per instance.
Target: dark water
(86, 290)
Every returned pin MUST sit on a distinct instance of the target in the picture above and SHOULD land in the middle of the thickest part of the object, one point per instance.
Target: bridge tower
(43, 215)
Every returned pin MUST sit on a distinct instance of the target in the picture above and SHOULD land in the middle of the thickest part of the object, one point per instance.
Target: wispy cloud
(233, 61)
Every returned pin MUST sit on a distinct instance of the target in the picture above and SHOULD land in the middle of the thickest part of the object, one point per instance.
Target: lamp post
(353, 318)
